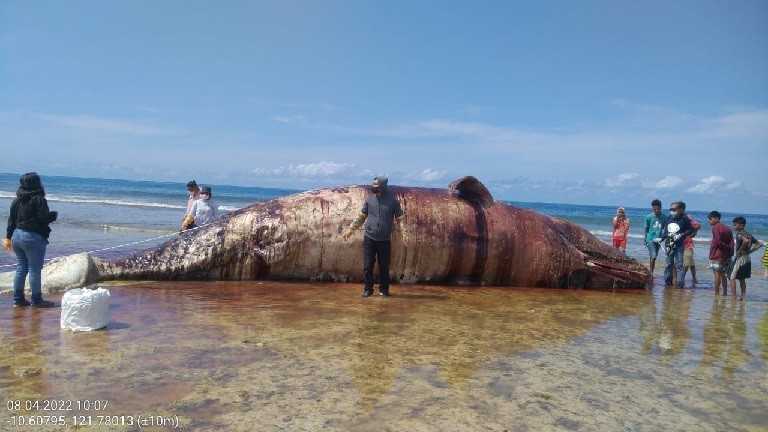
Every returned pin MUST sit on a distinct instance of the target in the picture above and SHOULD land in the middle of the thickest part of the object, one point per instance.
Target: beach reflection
(762, 331)
(26, 345)
(673, 333)
(228, 355)
(452, 330)
(670, 335)
(159, 328)
(725, 334)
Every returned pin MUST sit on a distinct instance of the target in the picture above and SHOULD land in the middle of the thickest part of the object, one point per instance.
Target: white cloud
(667, 182)
(427, 175)
(261, 171)
(320, 169)
(748, 124)
(622, 179)
(713, 183)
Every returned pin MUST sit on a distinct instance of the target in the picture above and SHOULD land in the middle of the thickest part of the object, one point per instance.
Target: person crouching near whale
(203, 211)
(379, 211)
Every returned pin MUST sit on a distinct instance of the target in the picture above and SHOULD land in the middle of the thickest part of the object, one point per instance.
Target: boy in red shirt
(720, 251)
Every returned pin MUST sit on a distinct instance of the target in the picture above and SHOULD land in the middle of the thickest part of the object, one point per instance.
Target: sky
(586, 102)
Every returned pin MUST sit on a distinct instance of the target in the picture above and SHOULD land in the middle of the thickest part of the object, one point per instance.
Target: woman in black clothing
(27, 234)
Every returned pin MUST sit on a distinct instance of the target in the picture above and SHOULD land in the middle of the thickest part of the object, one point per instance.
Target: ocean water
(112, 218)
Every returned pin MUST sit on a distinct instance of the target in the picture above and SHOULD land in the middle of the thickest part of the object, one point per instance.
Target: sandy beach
(245, 356)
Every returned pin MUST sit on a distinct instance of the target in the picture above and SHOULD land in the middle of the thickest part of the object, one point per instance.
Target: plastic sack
(84, 309)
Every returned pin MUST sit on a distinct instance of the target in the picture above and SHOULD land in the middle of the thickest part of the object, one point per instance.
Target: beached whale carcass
(459, 235)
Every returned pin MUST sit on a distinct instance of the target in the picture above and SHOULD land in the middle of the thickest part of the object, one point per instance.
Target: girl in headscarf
(620, 230)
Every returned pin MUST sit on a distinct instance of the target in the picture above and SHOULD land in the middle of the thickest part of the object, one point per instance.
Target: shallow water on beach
(299, 356)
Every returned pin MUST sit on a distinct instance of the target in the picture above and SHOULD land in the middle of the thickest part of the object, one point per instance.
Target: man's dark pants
(373, 250)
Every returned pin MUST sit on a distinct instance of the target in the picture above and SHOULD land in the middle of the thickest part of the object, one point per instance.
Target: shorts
(653, 249)
(688, 258)
(742, 268)
(720, 266)
(620, 243)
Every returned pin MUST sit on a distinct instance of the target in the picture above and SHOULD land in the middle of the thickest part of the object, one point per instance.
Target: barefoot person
(620, 230)
(378, 213)
(720, 251)
(653, 227)
(688, 263)
(742, 265)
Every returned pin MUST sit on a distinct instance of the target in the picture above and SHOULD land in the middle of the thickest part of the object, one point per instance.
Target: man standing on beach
(720, 251)
(676, 227)
(653, 228)
(378, 212)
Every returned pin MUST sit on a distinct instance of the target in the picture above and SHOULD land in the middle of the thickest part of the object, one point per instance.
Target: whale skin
(458, 236)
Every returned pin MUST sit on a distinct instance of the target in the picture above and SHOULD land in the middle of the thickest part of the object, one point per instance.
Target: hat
(205, 190)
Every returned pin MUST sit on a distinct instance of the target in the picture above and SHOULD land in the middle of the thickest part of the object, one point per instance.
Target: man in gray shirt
(378, 212)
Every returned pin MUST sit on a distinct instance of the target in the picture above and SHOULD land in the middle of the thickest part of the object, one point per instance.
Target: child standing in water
(688, 247)
(720, 251)
(620, 230)
(652, 230)
(742, 266)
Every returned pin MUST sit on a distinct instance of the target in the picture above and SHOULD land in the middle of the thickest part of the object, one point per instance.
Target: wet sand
(245, 356)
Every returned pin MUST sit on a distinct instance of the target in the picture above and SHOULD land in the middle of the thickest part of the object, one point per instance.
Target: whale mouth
(614, 271)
